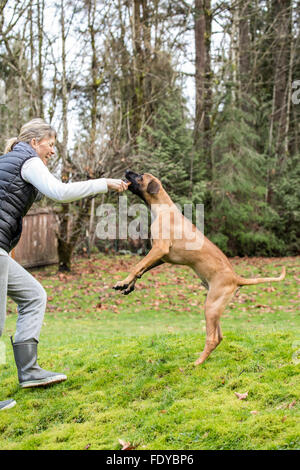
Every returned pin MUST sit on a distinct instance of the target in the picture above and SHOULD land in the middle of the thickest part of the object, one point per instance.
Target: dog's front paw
(129, 289)
(121, 285)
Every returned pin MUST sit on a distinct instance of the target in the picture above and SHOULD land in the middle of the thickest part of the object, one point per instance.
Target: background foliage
(198, 93)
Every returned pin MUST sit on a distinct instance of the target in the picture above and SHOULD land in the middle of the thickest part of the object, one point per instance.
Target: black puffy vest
(16, 196)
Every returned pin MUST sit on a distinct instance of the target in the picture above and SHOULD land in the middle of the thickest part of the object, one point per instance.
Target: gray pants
(29, 295)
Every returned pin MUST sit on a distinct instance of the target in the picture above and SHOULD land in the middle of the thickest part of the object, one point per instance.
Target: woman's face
(44, 148)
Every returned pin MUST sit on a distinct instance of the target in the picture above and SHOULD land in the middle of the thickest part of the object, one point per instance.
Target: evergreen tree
(237, 222)
(165, 149)
(287, 203)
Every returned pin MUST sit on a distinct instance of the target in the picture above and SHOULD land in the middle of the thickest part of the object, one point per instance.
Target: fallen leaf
(254, 412)
(291, 405)
(126, 445)
(270, 289)
(241, 396)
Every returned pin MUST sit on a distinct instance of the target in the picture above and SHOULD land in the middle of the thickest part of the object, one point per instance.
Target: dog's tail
(247, 282)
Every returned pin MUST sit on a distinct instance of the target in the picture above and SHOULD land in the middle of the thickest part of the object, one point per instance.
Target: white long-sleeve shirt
(35, 172)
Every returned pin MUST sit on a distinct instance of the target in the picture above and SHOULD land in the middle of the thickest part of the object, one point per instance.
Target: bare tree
(281, 14)
(202, 128)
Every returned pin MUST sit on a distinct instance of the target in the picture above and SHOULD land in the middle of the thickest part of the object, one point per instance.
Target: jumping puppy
(176, 240)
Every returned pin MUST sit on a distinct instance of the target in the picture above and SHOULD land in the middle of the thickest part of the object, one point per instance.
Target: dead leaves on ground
(86, 278)
(284, 406)
(287, 406)
(127, 445)
(241, 396)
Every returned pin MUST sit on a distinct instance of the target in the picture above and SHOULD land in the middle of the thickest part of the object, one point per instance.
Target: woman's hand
(117, 185)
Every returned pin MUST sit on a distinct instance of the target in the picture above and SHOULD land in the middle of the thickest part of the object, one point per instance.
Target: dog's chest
(173, 257)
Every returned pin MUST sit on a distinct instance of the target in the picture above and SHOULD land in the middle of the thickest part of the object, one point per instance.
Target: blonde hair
(34, 129)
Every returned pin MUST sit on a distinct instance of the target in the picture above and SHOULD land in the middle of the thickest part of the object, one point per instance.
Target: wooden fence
(38, 244)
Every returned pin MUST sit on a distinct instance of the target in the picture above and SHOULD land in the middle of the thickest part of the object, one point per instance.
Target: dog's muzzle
(131, 176)
(134, 187)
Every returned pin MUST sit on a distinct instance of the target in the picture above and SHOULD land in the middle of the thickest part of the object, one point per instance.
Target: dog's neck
(165, 203)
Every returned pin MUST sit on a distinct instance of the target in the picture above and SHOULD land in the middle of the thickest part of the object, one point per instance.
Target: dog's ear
(153, 187)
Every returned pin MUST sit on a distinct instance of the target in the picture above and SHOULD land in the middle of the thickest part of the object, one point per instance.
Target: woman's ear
(33, 143)
(153, 187)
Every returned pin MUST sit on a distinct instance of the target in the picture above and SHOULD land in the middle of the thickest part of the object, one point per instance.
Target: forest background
(203, 94)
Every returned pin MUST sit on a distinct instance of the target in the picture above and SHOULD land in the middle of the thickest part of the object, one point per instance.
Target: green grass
(129, 361)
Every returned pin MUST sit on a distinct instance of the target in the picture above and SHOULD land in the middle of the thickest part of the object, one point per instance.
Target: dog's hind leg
(215, 304)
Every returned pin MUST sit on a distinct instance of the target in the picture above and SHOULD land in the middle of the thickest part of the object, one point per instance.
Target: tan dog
(176, 240)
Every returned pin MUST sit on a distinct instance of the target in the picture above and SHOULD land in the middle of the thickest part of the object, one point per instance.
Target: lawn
(129, 361)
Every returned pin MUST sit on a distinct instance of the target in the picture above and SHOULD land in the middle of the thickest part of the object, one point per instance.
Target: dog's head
(145, 185)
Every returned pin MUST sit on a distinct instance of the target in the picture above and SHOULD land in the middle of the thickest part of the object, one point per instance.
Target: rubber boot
(29, 372)
(6, 404)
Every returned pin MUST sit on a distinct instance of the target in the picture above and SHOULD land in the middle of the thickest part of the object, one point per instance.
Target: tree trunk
(64, 247)
(202, 128)
(234, 56)
(40, 13)
(138, 75)
(71, 225)
(244, 51)
(90, 203)
(279, 122)
(282, 38)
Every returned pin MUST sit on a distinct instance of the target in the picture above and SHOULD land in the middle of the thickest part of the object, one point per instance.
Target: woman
(23, 175)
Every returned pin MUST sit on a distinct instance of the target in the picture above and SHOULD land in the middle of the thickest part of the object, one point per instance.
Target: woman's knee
(37, 297)
(41, 295)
